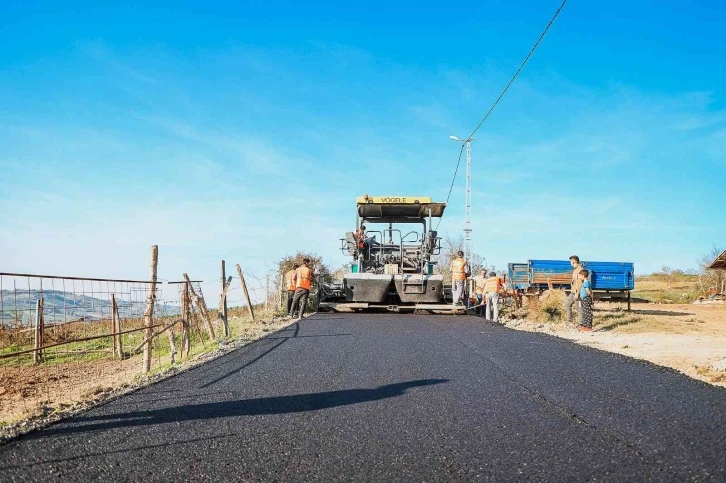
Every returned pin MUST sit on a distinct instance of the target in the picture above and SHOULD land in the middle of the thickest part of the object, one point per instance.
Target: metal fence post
(38, 346)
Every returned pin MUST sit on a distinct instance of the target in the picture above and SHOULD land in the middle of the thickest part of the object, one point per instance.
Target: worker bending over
(492, 287)
(459, 273)
(303, 282)
(290, 284)
(479, 283)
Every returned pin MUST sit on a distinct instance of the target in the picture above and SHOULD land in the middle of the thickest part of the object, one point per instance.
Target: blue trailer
(610, 280)
(518, 276)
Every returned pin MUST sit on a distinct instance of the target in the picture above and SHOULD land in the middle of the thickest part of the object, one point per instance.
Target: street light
(467, 216)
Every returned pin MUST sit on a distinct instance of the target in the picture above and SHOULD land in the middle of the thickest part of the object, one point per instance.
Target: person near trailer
(587, 301)
(479, 283)
(303, 283)
(460, 271)
(290, 285)
(492, 287)
(573, 297)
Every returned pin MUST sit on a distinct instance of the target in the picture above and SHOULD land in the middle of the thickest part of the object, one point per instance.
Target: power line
(511, 81)
(506, 88)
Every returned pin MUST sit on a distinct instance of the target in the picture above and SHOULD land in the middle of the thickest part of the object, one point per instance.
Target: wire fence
(66, 339)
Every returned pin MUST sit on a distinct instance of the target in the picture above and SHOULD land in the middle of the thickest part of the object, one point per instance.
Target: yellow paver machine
(393, 266)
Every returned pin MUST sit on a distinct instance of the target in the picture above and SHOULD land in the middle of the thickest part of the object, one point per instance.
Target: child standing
(586, 302)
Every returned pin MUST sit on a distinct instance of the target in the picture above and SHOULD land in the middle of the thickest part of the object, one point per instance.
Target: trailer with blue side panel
(543, 273)
(518, 276)
(610, 280)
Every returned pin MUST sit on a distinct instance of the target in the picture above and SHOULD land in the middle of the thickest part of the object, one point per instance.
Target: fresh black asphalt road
(394, 398)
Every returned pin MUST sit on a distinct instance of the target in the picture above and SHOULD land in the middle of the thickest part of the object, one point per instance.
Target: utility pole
(467, 211)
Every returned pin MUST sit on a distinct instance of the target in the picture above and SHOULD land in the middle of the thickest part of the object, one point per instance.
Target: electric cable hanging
(511, 81)
(506, 88)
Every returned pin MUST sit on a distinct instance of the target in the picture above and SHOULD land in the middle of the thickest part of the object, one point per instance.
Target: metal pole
(467, 221)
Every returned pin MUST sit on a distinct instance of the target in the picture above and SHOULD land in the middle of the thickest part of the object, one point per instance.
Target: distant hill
(62, 306)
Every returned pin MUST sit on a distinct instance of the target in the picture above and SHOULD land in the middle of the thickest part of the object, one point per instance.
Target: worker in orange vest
(459, 273)
(360, 238)
(303, 279)
(479, 283)
(492, 288)
(290, 285)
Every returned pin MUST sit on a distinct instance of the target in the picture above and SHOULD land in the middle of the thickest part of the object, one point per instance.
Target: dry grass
(547, 308)
(657, 289)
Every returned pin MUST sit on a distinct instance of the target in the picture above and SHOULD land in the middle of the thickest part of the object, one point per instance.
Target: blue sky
(245, 131)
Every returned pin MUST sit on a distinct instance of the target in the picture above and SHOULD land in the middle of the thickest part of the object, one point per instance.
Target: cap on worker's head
(492, 274)
(460, 253)
(306, 261)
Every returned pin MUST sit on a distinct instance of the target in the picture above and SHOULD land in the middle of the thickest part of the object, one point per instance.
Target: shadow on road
(671, 313)
(91, 455)
(278, 336)
(245, 407)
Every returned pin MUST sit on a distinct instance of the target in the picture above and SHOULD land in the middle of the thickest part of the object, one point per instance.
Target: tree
(672, 276)
(316, 263)
(340, 272)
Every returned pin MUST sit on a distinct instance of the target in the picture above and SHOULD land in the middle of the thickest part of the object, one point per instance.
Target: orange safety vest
(458, 267)
(290, 280)
(303, 278)
(360, 236)
(493, 285)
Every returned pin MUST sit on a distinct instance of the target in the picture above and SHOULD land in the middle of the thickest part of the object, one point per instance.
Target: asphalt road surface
(394, 398)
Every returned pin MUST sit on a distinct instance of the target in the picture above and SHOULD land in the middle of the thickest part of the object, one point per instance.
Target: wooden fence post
(172, 345)
(39, 323)
(118, 348)
(149, 312)
(281, 300)
(186, 315)
(222, 309)
(197, 323)
(246, 293)
(202, 306)
(267, 291)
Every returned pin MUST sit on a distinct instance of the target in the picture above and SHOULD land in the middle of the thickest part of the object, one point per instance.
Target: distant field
(659, 289)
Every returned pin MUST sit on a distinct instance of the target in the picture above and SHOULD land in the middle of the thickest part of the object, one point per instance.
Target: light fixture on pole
(467, 213)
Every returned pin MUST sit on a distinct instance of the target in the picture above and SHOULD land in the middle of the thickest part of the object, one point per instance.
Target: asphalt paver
(388, 397)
